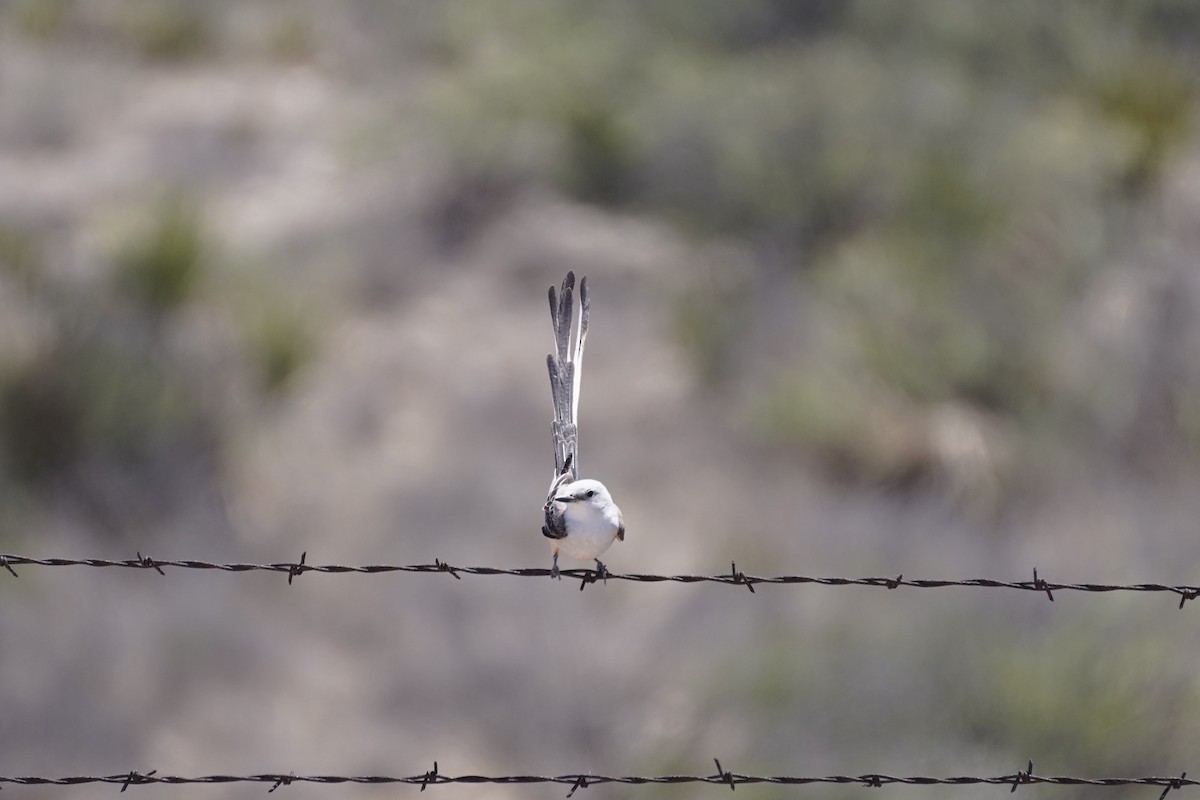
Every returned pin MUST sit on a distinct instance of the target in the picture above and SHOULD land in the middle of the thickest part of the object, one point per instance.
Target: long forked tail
(565, 366)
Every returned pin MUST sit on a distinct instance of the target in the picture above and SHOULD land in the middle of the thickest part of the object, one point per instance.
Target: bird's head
(584, 492)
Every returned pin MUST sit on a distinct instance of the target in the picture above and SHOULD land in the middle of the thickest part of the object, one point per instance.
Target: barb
(588, 576)
(146, 562)
(297, 570)
(432, 775)
(584, 780)
(1174, 784)
(284, 780)
(740, 577)
(1026, 776)
(1041, 585)
(136, 779)
(725, 775)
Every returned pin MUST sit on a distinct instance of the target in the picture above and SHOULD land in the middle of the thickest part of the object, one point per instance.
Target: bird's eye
(590, 493)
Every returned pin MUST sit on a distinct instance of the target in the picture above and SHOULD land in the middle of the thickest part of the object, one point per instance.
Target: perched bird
(581, 519)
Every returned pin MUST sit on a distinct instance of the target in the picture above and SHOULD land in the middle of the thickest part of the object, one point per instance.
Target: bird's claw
(600, 573)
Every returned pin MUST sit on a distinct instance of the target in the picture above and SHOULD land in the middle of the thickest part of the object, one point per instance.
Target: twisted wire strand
(735, 577)
(584, 780)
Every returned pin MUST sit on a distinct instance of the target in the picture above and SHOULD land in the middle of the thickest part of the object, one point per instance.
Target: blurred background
(878, 288)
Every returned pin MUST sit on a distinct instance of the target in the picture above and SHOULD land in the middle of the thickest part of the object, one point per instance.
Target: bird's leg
(554, 568)
(601, 571)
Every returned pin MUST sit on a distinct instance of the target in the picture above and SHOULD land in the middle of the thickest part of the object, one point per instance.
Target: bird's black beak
(565, 499)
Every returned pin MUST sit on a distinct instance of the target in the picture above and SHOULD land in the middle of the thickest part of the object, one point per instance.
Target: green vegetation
(280, 342)
(292, 37)
(929, 246)
(942, 180)
(41, 19)
(157, 30)
(113, 384)
(88, 402)
(1075, 694)
(169, 30)
(20, 252)
(597, 165)
(160, 264)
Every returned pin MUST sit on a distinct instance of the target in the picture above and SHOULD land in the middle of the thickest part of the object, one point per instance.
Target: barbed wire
(583, 780)
(734, 577)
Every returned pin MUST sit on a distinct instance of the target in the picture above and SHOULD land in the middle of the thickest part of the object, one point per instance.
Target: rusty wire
(734, 577)
(584, 780)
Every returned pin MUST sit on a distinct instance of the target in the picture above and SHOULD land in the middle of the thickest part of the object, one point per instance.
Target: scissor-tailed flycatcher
(581, 518)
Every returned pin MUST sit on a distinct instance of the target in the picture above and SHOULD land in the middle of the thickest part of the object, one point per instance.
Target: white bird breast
(590, 530)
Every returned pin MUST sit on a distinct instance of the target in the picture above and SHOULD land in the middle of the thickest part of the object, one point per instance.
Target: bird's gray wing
(556, 524)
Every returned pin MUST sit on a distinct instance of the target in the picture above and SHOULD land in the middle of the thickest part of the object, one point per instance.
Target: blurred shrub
(1189, 420)
(941, 178)
(852, 433)
(280, 343)
(41, 422)
(169, 29)
(292, 37)
(42, 19)
(597, 166)
(1073, 698)
(160, 264)
(708, 320)
(158, 30)
(1151, 98)
(1095, 695)
(121, 408)
(86, 401)
(20, 252)
(742, 26)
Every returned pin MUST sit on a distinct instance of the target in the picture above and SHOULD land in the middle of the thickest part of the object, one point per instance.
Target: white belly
(587, 544)
(589, 533)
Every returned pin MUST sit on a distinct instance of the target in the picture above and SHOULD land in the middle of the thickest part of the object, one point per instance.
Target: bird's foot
(600, 573)
(554, 569)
